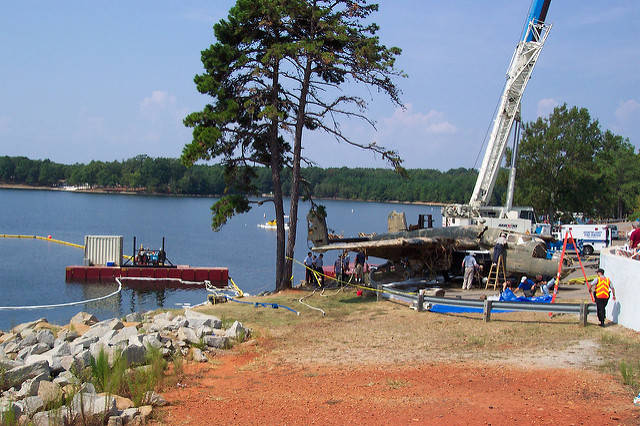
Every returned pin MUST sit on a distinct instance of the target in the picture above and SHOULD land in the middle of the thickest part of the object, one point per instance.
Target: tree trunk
(274, 148)
(295, 173)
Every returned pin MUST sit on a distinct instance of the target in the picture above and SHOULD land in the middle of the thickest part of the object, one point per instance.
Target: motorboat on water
(272, 224)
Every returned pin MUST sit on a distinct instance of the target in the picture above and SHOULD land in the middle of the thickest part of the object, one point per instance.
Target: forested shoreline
(167, 176)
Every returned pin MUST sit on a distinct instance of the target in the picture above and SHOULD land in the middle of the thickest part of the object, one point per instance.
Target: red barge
(218, 276)
(103, 262)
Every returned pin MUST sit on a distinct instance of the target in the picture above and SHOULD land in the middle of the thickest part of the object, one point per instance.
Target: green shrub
(107, 378)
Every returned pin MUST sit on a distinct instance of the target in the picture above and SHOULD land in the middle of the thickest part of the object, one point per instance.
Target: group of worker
(529, 286)
(601, 286)
(315, 272)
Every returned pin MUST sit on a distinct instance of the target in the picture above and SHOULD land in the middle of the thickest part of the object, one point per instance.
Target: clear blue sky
(82, 80)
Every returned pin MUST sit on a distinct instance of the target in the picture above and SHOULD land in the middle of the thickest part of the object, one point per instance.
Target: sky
(83, 81)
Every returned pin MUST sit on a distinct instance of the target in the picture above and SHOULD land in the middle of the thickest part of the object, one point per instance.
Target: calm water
(32, 272)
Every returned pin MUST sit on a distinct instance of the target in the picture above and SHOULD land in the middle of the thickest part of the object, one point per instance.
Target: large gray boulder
(83, 358)
(128, 415)
(216, 341)
(198, 356)
(134, 354)
(30, 386)
(11, 347)
(123, 335)
(97, 330)
(60, 350)
(8, 364)
(179, 321)
(51, 418)
(27, 341)
(21, 327)
(159, 324)
(188, 335)
(49, 392)
(31, 405)
(37, 349)
(91, 405)
(197, 319)
(84, 342)
(46, 336)
(67, 335)
(84, 318)
(237, 331)
(16, 376)
(134, 317)
(52, 361)
(152, 339)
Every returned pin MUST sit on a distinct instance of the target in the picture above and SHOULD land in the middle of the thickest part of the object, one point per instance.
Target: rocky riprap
(39, 362)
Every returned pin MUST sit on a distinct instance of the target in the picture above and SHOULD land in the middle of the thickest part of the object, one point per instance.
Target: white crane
(518, 75)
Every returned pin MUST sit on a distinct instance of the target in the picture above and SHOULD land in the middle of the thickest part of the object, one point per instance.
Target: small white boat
(272, 225)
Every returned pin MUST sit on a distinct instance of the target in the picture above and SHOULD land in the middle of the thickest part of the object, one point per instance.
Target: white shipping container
(103, 249)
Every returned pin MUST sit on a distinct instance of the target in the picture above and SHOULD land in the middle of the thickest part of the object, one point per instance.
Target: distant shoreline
(133, 192)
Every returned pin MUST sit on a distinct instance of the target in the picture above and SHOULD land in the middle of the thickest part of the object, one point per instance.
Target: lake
(32, 272)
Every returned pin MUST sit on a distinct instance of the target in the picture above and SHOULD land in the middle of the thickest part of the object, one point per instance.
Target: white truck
(593, 238)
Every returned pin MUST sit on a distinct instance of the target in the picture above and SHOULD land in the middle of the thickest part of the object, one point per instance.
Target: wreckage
(429, 252)
(474, 227)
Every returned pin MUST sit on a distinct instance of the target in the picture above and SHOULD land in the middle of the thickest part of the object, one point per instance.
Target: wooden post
(486, 314)
(420, 306)
(584, 310)
(379, 293)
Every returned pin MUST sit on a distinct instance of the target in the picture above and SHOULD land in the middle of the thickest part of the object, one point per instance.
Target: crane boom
(518, 75)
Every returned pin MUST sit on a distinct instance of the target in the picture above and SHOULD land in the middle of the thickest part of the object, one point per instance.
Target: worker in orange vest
(601, 286)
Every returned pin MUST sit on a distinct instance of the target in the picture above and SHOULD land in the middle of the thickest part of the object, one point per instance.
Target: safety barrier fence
(581, 309)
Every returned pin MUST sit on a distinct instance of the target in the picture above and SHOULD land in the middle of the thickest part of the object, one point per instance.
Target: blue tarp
(508, 296)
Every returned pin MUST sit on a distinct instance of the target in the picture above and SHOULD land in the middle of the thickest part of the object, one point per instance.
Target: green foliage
(3, 372)
(8, 416)
(226, 208)
(178, 365)
(628, 373)
(566, 163)
(139, 382)
(132, 383)
(107, 378)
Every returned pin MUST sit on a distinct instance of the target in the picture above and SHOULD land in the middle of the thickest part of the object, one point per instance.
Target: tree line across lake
(566, 164)
(168, 176)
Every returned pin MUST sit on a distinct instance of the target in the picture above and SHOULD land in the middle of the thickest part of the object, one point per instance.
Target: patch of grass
(628, 373)
(397, 383)
(477, 341)
(133, 383)
(178, 364)
(139, 382)
(620, 348)
(3, 372)
(107, 378)
(200, 345)
(7, 415)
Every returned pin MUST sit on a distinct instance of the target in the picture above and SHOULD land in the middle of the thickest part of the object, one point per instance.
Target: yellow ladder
(494, 274)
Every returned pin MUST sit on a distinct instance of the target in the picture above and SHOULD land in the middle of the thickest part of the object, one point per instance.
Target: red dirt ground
(244, 387)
